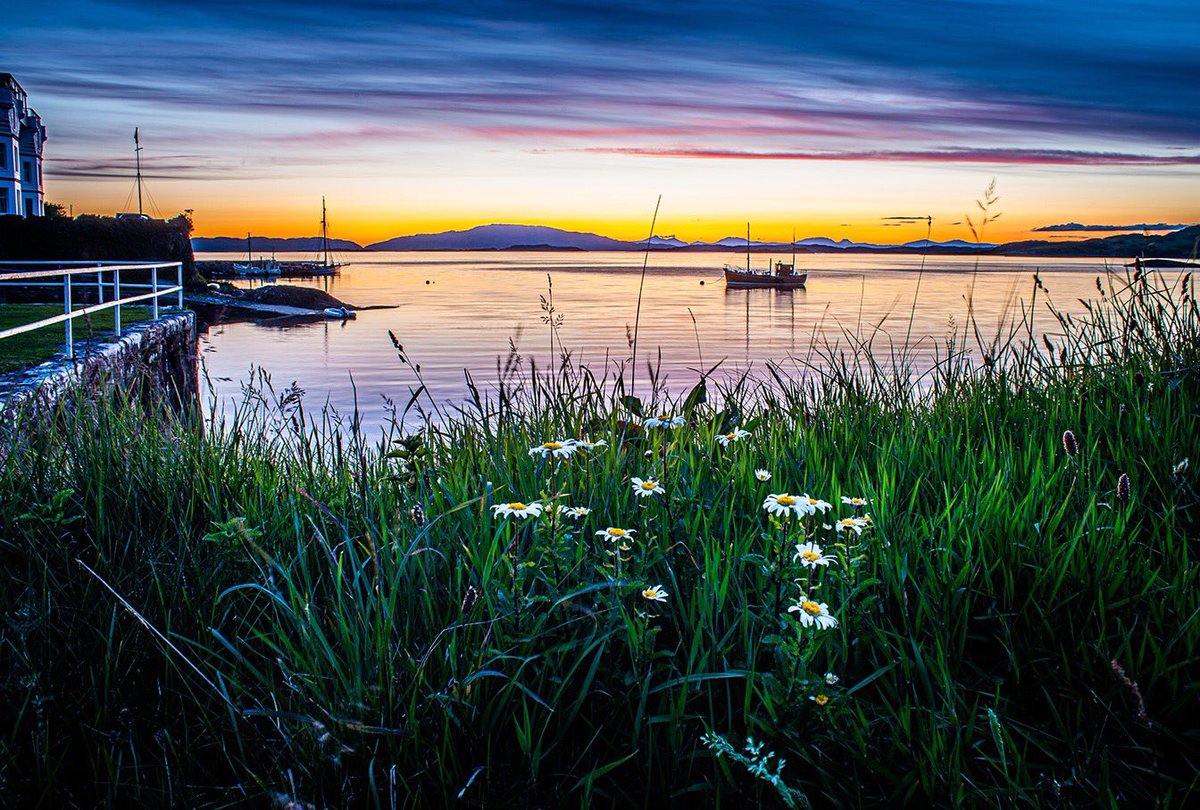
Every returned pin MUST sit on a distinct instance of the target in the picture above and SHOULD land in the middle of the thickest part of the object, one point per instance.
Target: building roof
(7, 79)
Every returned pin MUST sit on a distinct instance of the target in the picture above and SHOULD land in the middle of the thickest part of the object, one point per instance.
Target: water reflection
(460, 311)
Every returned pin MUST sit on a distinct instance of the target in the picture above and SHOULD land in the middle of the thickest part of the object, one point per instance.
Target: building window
(3, 158)
(28, 207)
(3, 201)
(27, 172)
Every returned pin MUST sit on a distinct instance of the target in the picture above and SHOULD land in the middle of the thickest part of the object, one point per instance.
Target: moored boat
(324, 265)
(782, 276)
(256, 269)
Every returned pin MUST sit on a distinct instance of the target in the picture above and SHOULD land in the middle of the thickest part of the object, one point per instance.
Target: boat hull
(739, 279)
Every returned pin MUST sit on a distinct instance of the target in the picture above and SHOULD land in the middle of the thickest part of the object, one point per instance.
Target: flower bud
(1124, 488)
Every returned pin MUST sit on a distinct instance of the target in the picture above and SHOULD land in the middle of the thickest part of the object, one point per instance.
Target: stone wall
(156, 360)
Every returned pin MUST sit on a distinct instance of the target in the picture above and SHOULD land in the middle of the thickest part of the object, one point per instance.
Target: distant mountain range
(1179, 244)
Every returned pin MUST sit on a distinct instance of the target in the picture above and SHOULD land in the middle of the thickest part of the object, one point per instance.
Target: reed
(275, 607)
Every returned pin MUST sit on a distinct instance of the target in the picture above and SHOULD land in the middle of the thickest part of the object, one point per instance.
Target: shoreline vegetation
(978, 587)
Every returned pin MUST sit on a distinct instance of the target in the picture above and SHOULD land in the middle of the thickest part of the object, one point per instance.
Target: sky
(839, 119)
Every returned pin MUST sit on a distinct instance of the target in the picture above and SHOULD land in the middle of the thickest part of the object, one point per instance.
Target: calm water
(461, 310)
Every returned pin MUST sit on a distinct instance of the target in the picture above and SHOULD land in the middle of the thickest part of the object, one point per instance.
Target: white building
(21, 139)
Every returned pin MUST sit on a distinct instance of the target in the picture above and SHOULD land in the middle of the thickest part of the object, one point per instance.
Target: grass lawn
(34, 347)
(567, 597)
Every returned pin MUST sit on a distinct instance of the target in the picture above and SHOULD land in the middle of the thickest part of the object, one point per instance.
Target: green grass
(263, 618)
(34, 347)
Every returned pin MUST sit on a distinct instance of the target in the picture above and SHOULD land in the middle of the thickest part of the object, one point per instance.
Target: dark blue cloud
(704, 76)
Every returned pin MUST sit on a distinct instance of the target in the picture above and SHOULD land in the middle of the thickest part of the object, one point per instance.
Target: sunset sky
(824, 117)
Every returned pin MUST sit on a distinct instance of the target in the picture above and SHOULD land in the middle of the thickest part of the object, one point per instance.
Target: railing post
(154, 288)
(179, 281)
(99, 283)
(117, 297)
(70, 323)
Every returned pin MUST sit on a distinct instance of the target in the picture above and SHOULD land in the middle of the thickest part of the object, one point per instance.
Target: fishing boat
(259, 269)
(782, 276)
(1138, 264)
(325, 265)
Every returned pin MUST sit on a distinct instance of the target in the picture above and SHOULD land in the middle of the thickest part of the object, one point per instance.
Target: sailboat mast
(249, 254)
(137, 154)
(747, 247)
(324, 233)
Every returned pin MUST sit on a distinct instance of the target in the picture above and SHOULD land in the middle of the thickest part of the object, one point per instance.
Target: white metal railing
(26, 274)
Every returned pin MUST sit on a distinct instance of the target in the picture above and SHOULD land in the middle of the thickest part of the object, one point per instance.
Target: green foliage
(272, 618)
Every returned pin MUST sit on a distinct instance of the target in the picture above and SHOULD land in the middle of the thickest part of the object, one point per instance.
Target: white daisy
(664, 420)
(646, 488)
(518, 509)
(762, 475)
(784, 504)
(809, 555)
(655, 593)
(855, 525)
(831, 679)
(813, 613)
(816, 504)
(613, 533)
(736, 436)
(588, 444)
(578, 512)
(562, 449)
(855, 501)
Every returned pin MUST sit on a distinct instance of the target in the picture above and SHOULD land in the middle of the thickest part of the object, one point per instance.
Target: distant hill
(1183, 244)
(505, 237)
(1180, 244)
(267, 244)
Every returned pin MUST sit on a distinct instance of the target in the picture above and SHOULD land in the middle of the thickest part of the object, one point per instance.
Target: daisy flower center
(649, 485)
(617, 532)
(785, 500)
(811, 608)
(553, 445)
(663, 417)
(517, 505)
(809, 556)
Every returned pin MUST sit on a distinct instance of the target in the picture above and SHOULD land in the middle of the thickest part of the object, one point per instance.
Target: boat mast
(793, 250)
(747, 247)
(324, 233)
(249, 253)
(137, 154)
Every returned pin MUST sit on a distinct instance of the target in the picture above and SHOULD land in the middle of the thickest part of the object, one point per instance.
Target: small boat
(339, 312)
(253, 269)
(325, 265)
(783, 276)
(1140, 263)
